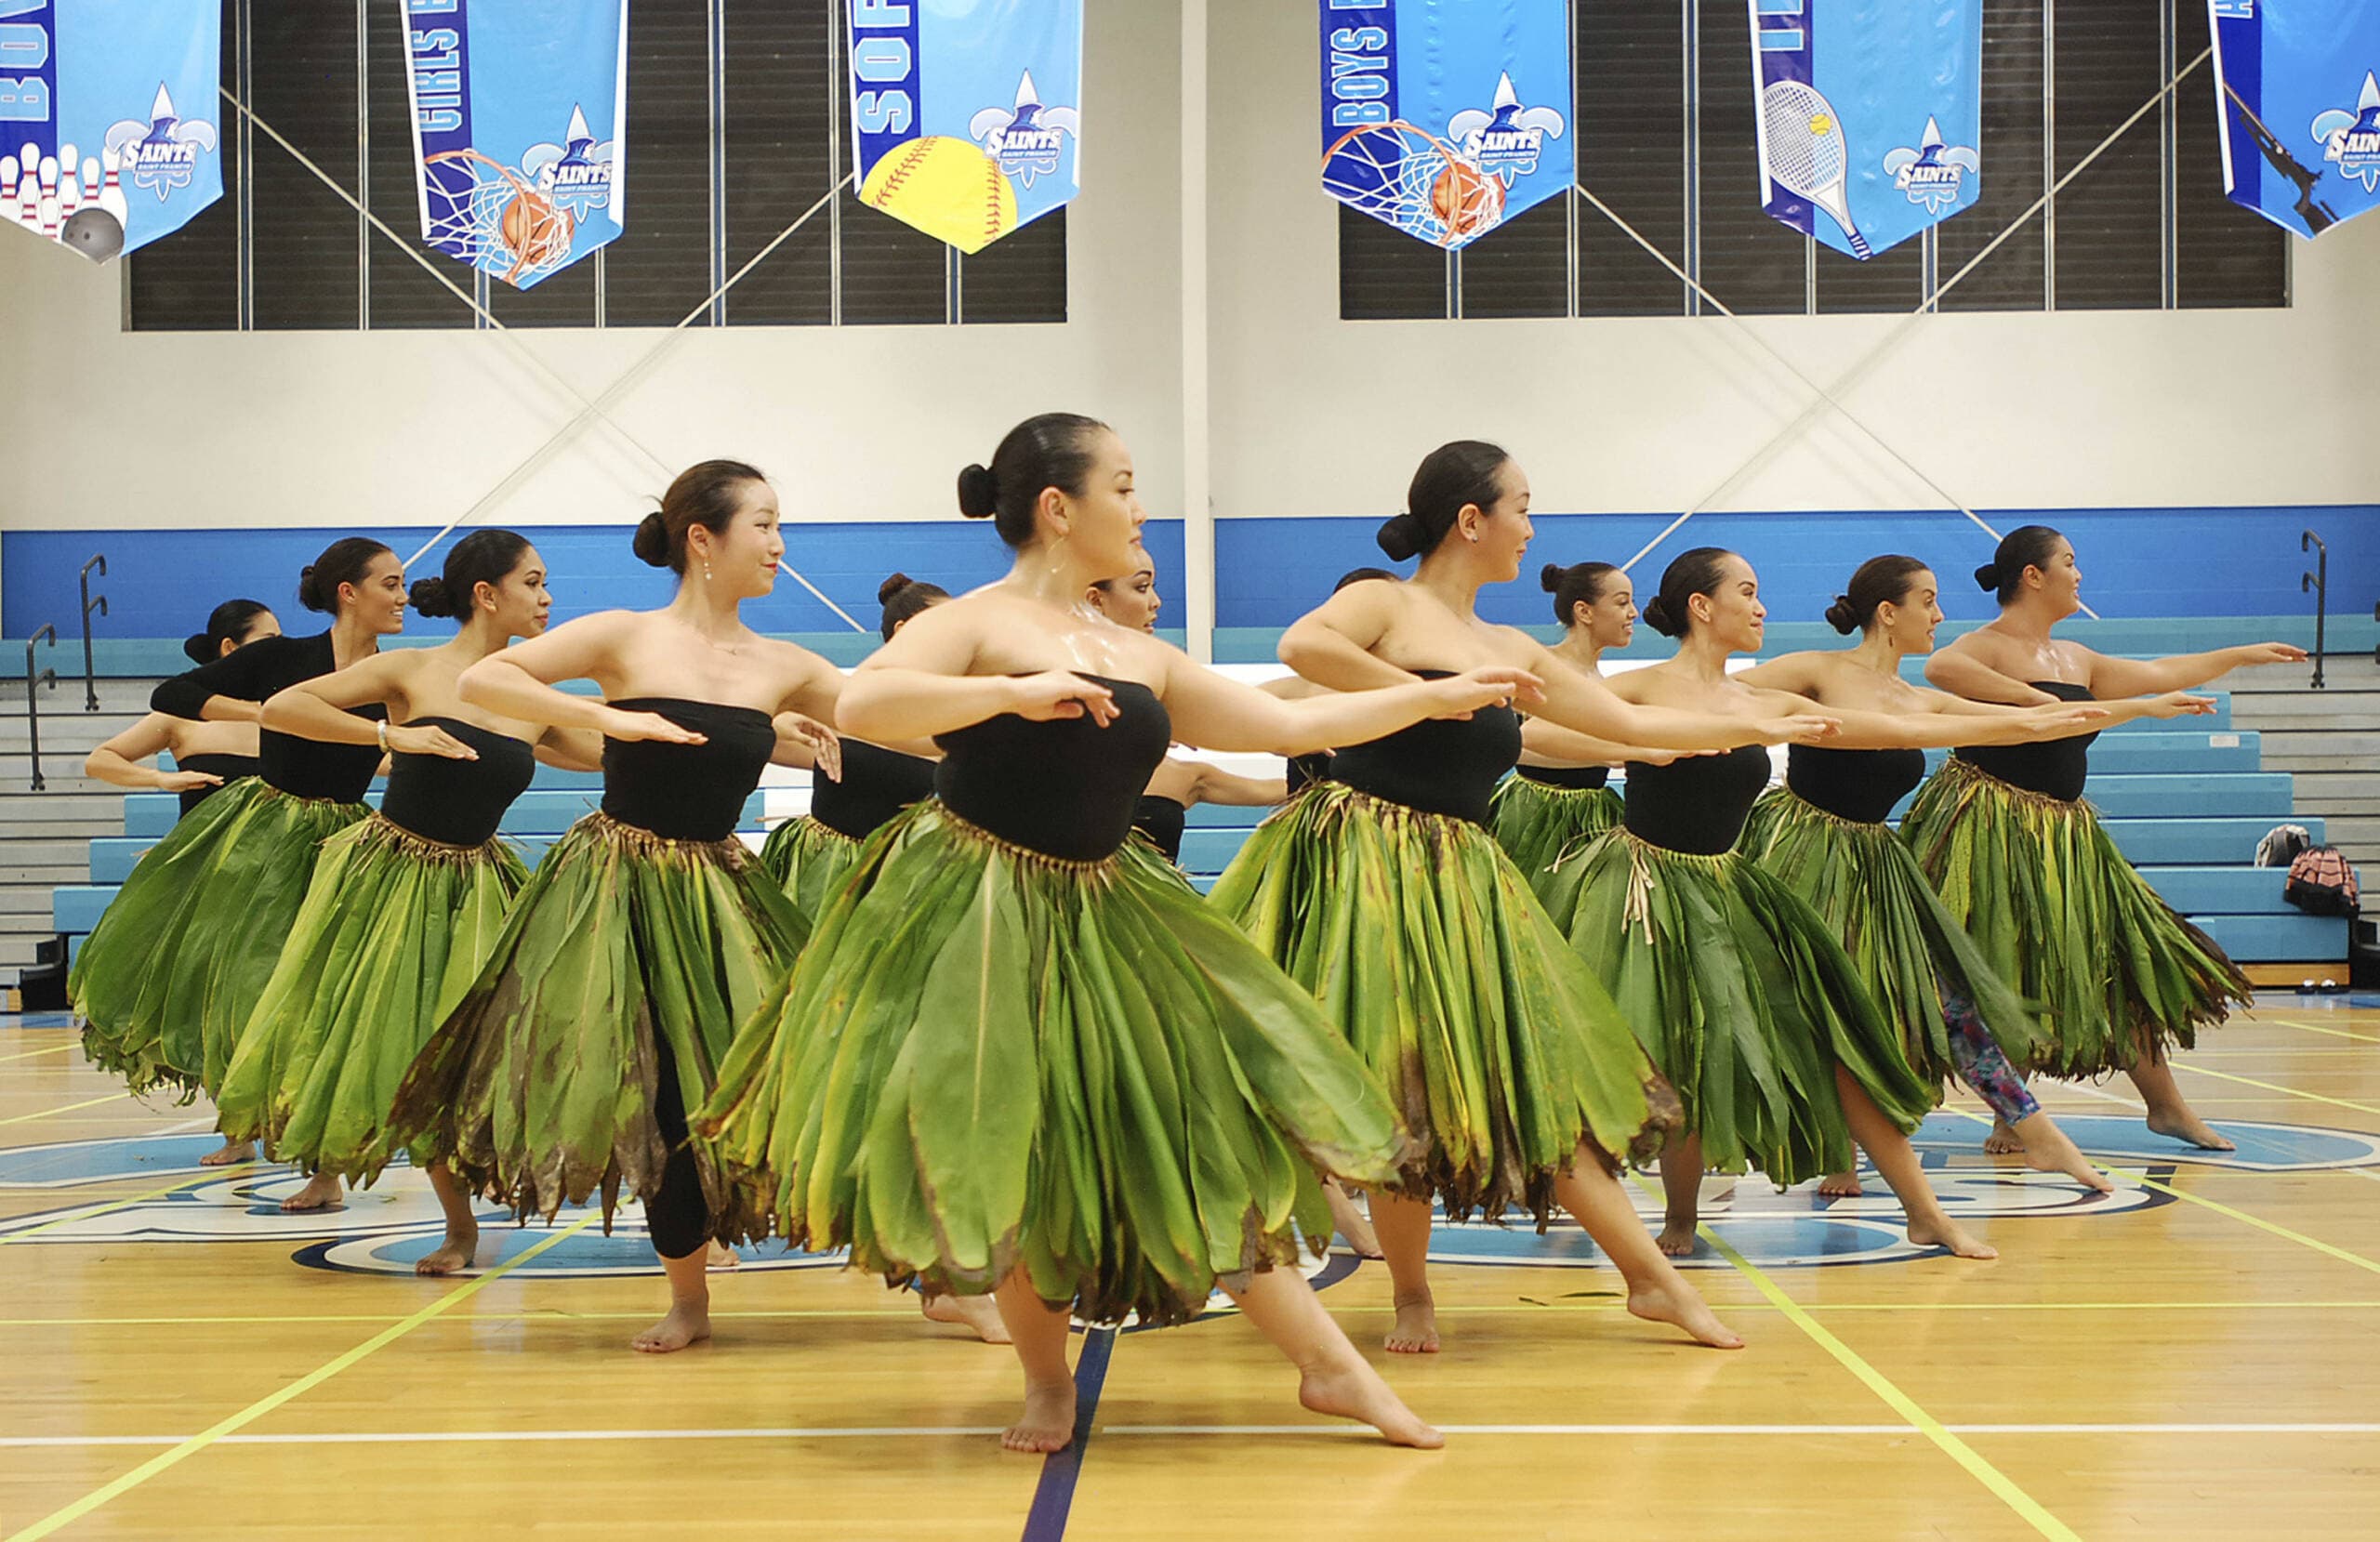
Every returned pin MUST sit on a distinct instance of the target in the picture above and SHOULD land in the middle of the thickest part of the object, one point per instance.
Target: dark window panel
(1629, 67)
(1020, 277)
(190, 281)
(1889, 282)
(566, 299)
(1385, 275)
(780, 110)
(2011, 278)
(1753, 264)
(302, 74)
(2110, 218)
(401, 292)
(893, 272)
(659, 269)
(1522, 268)
(2223, 254)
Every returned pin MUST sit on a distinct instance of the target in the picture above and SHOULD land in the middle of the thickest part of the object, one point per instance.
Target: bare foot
(322, 1193)
(2050, 1150)
(1353, 1389)
(231, 1154)
(1949, 1233)
(2184, 1124)
(2003, 1140)
(1349, 1223)
(688, 1323)
(980, 1314)
(1049, 1421)
(1677, 1235)
(718, 1255)
(1681, 1308)
(1840, 1186)
(1417, 1327)
(454, 1253)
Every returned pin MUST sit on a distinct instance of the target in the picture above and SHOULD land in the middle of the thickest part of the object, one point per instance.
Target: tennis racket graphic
(1807, 154)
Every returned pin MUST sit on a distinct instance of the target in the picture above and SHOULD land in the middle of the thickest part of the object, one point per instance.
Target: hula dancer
(404, 905)
(2022, 862)
(1383, 893)
(207, 756)
(168, 977)
(1824, 835)
(1021, 1055)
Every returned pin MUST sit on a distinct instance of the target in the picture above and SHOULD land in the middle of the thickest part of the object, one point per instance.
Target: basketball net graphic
(1414, 180)
(484, 213)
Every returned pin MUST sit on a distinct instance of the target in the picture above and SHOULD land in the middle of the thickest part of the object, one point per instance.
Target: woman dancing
(1021, 1055)
(647, 932)
(2022, 862)
(1743, 995)
(406, 905)
(205, 756)
(168, 977)
(1383, 893)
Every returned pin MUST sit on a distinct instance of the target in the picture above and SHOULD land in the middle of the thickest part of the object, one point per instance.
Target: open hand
(649, 727)
(1805, 728)
(187, 781)
(2181, 703)
(429, 739)
(1056, 693)
(824, 745)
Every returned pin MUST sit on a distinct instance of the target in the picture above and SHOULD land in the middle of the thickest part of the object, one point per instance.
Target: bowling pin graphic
(112, 192)
(49, 196)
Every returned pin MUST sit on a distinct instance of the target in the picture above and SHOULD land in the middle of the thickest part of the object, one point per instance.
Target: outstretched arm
(2111, 676)
(126, 759)
(1214, 712)
(1575, 699)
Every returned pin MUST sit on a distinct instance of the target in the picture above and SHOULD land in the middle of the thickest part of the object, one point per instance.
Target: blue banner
(519, 110)
(1870, 115)
(965, 114)
(108, 119)
(2298, 99)
(1445, 118)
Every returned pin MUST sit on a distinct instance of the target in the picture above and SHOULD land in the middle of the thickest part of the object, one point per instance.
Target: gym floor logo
(384, 1229)
(2352, 140)
(1933, 173)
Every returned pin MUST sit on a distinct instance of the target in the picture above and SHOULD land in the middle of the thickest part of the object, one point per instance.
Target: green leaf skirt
(394, 929)
(540, 1088)
(1423, 942)
(1742, 995)
(167, 979)
(809, 861)
(1864, 882)
(1535, 823)
(990, 1058)
(2058, 914)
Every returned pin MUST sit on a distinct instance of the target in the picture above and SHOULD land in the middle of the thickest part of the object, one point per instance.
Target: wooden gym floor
(2195, 1357)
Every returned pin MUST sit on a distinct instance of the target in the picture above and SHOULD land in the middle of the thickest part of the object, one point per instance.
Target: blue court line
(1055, 1496)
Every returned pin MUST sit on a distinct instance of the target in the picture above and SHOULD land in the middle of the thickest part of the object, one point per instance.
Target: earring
(706, 570)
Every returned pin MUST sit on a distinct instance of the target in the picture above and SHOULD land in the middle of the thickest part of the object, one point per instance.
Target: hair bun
(979, 491)
(1841, 616)
(1551, 579)
(432, 597)
(199, 646)
(650, 542)
(890, 586)
(309, 593)
(1987, 578)
(1657, 616)
(1401, 537)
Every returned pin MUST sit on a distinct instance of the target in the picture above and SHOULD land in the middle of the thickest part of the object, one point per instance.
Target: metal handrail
(90, 674)
(33, 690)
(2318, 584)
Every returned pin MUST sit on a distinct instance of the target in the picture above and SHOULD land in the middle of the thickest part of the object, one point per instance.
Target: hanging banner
(108, 114)
(966, 114)
(1869, 116)
(1445, 118)
(519, 115)
(2298, 99)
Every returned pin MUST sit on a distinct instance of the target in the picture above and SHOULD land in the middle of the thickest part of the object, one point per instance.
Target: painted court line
(88, 1212)
(29, 1054)
(2275, 1087)
(67, 1516)
(2275, 1228)
(2335, 1032)
(65, 1108)
(1053, 1496)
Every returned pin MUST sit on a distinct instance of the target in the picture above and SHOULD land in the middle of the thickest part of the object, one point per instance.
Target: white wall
(407, 428)
(1316, 415)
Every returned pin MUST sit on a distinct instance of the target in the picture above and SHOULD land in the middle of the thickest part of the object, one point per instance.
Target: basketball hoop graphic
(1414, 180)
(483, 212)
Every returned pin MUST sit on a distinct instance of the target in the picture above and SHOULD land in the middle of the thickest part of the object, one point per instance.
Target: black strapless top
(2056, 768)
(1441, 765)
(1306, 770)
(459, 802)
(1573, 777)
(1858, 784)
(1067, 787)
(309, 767)
(230, 768)
(1697, 803)
(877, 784)
(688, 792)
(1162, 819)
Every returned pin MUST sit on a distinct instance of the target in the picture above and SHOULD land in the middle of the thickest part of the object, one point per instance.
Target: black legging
(676, 1217)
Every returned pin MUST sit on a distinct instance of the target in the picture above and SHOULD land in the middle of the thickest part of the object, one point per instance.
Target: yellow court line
(2334, 1032)
(29, 1054)
(67, 1107)
(67, 1516)
(71, 1215)
(2258, 1221)
(2275, 1087)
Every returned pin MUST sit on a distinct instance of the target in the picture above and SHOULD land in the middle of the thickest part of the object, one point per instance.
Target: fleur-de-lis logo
(1933, 174)
(2352, 140)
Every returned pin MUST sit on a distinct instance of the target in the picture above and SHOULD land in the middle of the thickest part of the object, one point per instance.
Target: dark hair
(1358, 575)
(1694, 573)
(903, 597)
(482, 557)
(2025, 547)
(343, 561)
(1878, 580)
(226, 622)
(1579, 584)
(1449, 476)
(706, 494)
(1047, 450)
